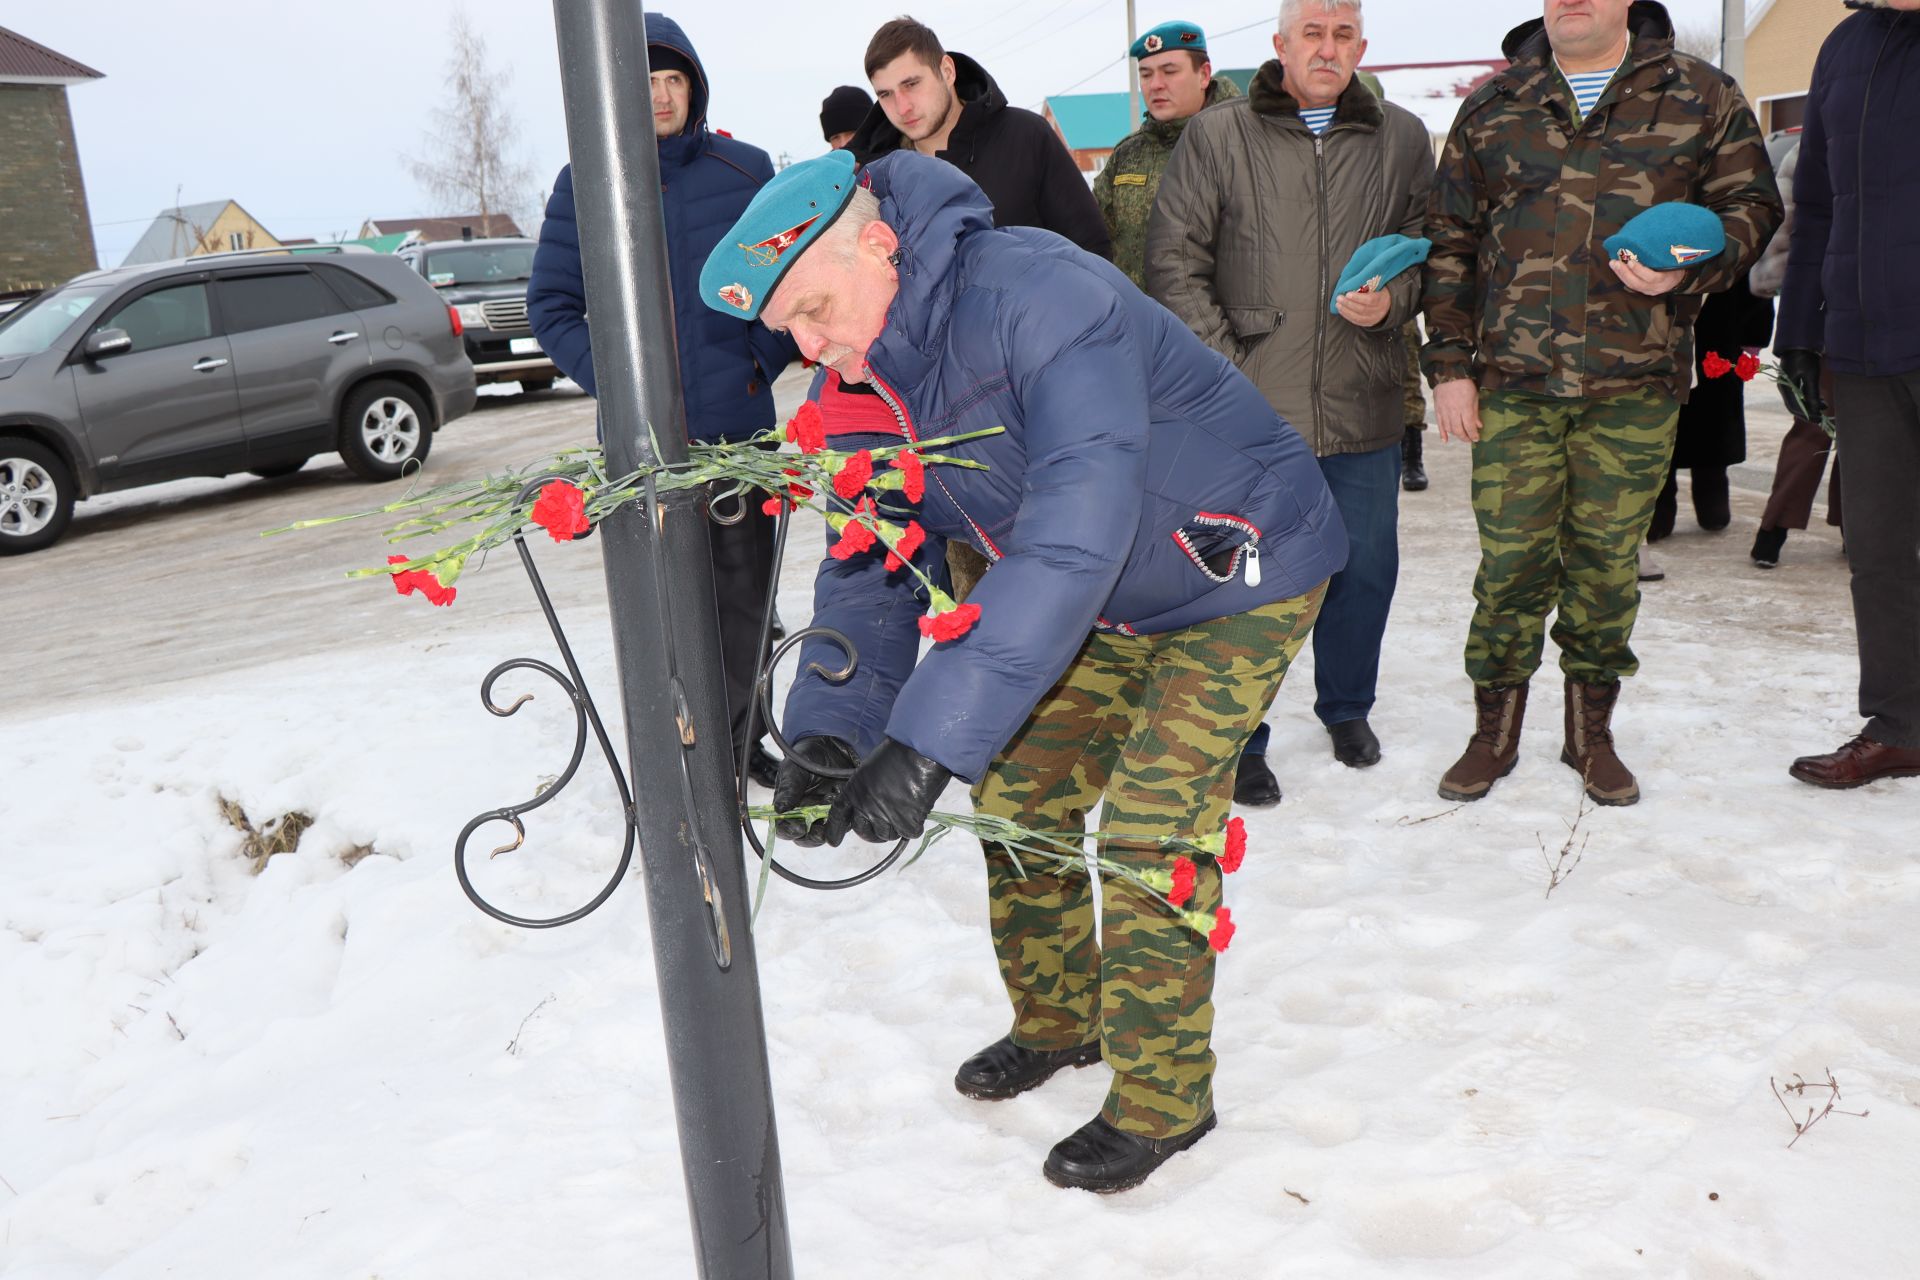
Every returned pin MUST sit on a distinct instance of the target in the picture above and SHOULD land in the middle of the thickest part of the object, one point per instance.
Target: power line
(1123, 57)
(1014, 38)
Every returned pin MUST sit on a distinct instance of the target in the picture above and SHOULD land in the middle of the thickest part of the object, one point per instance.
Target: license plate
(525, 346)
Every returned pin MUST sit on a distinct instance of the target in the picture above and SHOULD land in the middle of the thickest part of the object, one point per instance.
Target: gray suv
(485, 282)
(215, 365)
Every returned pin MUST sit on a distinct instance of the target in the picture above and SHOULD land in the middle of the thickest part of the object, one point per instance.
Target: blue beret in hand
(1378, 261)
(1668, 237)
(786, 216)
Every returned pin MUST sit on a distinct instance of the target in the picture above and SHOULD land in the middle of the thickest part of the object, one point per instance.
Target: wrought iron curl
(762, 708)
(586, 716)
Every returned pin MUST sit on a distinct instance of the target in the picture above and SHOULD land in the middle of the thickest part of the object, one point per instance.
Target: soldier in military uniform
(1178, 83)
(1158, 549)
(1566, 368)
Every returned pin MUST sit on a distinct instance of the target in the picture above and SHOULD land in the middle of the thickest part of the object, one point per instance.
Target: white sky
(304, 115)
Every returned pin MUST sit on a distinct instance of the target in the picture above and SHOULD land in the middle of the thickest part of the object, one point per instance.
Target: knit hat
(785, 216)
(664, 57)
(843, 110)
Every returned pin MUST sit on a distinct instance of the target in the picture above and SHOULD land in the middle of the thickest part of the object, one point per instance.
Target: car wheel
(36, 496)
(384, 428)
(530, 385)
(275, 472)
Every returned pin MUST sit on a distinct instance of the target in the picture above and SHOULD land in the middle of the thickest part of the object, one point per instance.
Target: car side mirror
(106, 342)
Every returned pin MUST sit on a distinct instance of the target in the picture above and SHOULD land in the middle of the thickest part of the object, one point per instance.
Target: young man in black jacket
(945, 105)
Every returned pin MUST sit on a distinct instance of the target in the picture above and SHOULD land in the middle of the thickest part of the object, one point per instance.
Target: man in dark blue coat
(1852, 300)
(1159, 544)
(727, 364)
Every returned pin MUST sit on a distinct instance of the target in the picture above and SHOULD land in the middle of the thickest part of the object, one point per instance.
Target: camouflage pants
(1563, 491)
(1415, 401)
(966, 567)
(1155, 725)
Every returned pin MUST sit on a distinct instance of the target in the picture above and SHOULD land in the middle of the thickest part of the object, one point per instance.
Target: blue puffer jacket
(706, 180)
(1141, 485)
(1853, 267)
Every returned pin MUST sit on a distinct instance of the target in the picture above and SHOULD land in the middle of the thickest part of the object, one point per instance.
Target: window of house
(165, 317)
(263, 301)
(236, 240)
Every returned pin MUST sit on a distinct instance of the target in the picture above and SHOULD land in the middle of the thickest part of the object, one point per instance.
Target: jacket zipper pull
(1253, 564)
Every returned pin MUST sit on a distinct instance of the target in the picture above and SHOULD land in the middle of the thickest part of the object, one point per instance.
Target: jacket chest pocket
(1251, 326)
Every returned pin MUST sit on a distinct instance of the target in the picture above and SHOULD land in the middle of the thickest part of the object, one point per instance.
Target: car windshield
(34, 327)
(479, 264)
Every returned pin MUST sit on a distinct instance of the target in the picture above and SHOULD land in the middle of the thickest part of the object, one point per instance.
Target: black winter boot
(1004, 1070)
(1099, 1157)
(1413, 472)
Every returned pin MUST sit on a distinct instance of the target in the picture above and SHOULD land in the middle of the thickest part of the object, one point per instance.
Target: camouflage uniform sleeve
(1181, 233)
(1739, 186)
(1456, 223)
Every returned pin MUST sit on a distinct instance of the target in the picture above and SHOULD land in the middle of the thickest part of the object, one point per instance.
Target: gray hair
(842, 235)
(1290, 11)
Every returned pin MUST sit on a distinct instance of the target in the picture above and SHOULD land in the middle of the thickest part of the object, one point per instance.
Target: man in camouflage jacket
(1179, 83)
(1566, 370)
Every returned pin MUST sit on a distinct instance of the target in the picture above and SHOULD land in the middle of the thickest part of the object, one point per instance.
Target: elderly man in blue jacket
(727, 364)
(1159, 545)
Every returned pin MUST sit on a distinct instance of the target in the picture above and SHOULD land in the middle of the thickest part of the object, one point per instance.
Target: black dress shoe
(1766, 547)
(1099, 1157)
(1354, 744)
(761, 767)
(1004, 1070)
(1254, 786)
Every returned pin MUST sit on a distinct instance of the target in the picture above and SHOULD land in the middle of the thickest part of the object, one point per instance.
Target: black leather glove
(797, 786)
(1800, 384)
(889, 797)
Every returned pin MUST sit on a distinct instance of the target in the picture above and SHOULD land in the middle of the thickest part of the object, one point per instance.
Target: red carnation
(772, 507)
(952, 624)
(916, 474)
(1236, 850)
(798, 492)
(853, 475)
(855, 537)
(1183, 873)
(407, 581)
(806, 428)
(909, 543)
(1715, 365)
(1222, 930)
(561, 510)
(1746, 366)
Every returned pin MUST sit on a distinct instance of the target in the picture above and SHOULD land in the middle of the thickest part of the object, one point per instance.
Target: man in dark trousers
(727, 366)
(1852, 301)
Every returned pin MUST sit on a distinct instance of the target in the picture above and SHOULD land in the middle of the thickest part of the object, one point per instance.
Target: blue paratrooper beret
(1669, 236)
(1167, 37)
(1378, 261)
(785, 216)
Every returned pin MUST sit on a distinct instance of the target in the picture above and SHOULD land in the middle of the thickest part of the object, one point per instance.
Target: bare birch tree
(471, 163)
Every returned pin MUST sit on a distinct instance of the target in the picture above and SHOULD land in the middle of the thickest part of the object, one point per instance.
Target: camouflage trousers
(1154, 724)
(1563, 491)
(1414, 400)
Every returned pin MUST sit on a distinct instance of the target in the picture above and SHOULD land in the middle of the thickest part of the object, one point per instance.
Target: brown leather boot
(1589, 749)
(1493, 749)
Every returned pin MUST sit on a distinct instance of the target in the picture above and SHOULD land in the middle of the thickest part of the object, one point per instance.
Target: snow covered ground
(1429, 1068)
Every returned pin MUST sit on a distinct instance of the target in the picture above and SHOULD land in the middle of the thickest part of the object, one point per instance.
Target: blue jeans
(1346, 640)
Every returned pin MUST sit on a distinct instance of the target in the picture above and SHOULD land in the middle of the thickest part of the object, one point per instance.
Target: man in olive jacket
(1565, 368)
(1264, 201)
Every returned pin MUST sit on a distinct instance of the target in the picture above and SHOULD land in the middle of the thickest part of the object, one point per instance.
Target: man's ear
(947, 70)
(878, 239)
